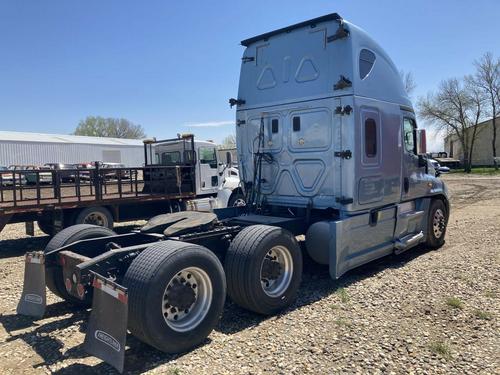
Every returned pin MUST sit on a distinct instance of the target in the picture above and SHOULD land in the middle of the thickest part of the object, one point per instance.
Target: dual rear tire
(54, 273)
(99, 216)
(176, 295)
(263, 269)
(177, 290)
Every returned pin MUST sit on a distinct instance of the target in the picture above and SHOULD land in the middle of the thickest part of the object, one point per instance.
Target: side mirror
(421, 142)
(229, 159)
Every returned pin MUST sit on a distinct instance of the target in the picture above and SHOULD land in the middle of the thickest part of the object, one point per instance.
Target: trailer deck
(110, 187)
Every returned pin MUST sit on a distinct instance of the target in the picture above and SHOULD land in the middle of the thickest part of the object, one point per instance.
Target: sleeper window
(366, 61)
(274, 125)
(296, 123)
(370, 138)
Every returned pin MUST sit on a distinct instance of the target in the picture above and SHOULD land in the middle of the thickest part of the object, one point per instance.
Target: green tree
(228, 142)
(96, 126)
(457, 105)
(487, 80)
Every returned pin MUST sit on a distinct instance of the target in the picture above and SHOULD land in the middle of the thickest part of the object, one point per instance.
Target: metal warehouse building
(34, 148)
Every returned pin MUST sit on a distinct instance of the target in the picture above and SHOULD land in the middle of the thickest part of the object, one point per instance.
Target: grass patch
(440, 348)
(484, 315)
(344, 296)
(174, 371)
(334, 306)
(343, 322)
(454, 302)
(490, 294)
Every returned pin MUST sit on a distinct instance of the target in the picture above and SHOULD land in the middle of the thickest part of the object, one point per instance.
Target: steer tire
(54, 274)
(147, 280)
(243, 266)
(236, 199)
(436, 239)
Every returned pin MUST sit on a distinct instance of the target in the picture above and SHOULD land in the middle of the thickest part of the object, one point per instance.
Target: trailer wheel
(99, 216)
(176, 295)
(54, 275)
(46, 226)
(264, 269)
(436, 224)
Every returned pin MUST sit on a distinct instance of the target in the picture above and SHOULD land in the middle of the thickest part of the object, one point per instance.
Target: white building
(24, 148)
(482, 152)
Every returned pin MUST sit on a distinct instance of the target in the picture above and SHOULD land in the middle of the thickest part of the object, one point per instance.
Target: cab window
(409, 127)
(208, 155)
(172, 157)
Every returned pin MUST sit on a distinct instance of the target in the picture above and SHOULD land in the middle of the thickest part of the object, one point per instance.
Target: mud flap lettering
(33, 298)
(107, 329)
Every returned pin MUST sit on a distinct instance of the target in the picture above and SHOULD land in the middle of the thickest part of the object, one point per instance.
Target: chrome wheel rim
(96, 218)
(187, 299)
(239, 202)
(276, 271)
(438, 223)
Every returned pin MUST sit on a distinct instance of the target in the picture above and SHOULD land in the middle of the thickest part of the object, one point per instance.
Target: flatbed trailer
(99, 195)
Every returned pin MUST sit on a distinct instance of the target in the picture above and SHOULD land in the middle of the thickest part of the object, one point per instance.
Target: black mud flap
(33, 299)
(107, 329)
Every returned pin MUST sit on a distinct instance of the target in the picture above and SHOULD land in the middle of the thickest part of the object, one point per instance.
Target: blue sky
(168, 64)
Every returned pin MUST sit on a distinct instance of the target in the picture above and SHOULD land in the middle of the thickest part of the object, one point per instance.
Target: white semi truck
(328, 148)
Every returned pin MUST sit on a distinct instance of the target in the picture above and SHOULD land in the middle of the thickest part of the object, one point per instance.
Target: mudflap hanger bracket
(33, 299)
(107, 328)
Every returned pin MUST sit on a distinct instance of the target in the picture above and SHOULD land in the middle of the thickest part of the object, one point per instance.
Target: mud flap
(107, 329)
(33, 299)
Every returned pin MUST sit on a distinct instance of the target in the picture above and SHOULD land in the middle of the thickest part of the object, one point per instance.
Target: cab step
(407, 242)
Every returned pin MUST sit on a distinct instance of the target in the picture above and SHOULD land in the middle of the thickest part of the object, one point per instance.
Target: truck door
(209, 176)
(413, 174)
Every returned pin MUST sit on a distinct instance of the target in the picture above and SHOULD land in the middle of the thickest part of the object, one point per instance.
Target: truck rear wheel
(99, 216)
(54, 274)
(176, 295)
(436, 224)
(46, 226)
(264, 269)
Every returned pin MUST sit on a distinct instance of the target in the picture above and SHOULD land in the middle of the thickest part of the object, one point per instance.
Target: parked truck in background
(328, 147)
(103, 193)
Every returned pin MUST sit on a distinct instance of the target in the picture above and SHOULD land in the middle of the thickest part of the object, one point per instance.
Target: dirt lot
(422, 312)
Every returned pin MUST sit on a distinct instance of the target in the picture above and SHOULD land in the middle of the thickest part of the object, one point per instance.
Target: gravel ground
(422, 312)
